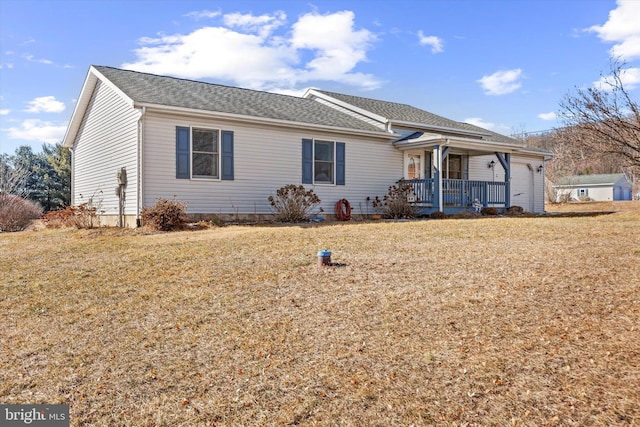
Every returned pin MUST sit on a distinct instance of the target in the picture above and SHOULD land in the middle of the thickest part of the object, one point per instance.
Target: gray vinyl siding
(265, 159)
(106, 142)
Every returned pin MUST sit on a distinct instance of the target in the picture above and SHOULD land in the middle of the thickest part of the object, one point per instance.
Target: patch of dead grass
(617, 206)
(502, 321)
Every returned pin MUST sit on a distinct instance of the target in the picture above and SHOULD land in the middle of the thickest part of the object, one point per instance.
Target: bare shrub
(17, 213)
(165, 215)
(83, 216)
(59, 219)
(437, 215)
(395, 204)
(293, 203)
(489, 211)
(515, 210)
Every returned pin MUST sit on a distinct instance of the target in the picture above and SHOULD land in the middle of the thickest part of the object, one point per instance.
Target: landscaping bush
(489, 211)
(165, 215)
(515, 211)
(84, 216)
(17, 213)
(293, 203)
(437, 215)
(395, 203)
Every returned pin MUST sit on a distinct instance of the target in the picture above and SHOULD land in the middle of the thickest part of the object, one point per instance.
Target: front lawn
(490, 321)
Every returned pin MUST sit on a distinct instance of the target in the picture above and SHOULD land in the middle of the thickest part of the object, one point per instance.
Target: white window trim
(313, 172)
(201, 177)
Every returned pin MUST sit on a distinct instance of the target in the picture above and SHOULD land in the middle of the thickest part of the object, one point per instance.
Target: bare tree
(13, 177)
(604, 121)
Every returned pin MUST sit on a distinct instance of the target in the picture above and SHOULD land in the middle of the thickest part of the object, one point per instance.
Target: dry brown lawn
(500, 321)
(618, 206)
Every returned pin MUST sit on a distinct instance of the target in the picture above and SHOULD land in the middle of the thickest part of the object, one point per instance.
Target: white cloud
(37, 130)
(202, 14)
(477, 121)
(338, 48)
(45, 104)
(434, 41)
(547, 116)
(501, 82)
(623, 29)
(32, 58)
(629, 77)
(4, 111)
(263, 25)
(248, 52)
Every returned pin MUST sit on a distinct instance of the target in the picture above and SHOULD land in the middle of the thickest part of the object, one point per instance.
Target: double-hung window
(323, 162)
(205, 159)
(204, 153)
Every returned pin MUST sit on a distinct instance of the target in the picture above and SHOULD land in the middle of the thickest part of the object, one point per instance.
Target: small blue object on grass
(324, 258)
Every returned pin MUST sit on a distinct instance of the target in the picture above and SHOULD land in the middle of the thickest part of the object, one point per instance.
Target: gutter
(440, 128)
(471, 144)
(275, 122)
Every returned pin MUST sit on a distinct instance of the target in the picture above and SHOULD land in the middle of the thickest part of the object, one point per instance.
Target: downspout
(140, 164)
(532, 188)
(73, 176)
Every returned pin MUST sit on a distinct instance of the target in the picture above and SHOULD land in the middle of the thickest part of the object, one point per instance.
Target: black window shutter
(182, 153)
(227, 155)
(307, 161)
(340, 163)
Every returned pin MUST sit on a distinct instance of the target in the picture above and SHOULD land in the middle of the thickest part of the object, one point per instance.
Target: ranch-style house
(137, 137)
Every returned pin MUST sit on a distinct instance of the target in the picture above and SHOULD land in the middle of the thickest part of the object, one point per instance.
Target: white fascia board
(414, 125)
(79, 110)
(84, 99)
(273, 122)
(546, 154)
(313, 92)
(113, 87)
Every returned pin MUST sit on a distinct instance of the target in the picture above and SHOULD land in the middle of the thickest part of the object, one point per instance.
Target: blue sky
(504, 65)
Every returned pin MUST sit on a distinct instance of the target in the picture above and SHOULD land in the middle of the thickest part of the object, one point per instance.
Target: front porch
(457, 194)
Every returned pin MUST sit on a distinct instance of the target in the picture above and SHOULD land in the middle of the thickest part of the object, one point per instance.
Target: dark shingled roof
(402, 112)
(175, 92)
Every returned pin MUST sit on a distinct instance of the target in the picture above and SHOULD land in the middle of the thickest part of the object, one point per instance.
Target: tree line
(44, 178)
(600, 132)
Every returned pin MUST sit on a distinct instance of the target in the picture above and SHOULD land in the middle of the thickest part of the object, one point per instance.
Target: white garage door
(522, 191)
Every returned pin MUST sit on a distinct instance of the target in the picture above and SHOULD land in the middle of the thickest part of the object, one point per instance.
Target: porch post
(505, 161)
(507, 180)
(437, 176)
